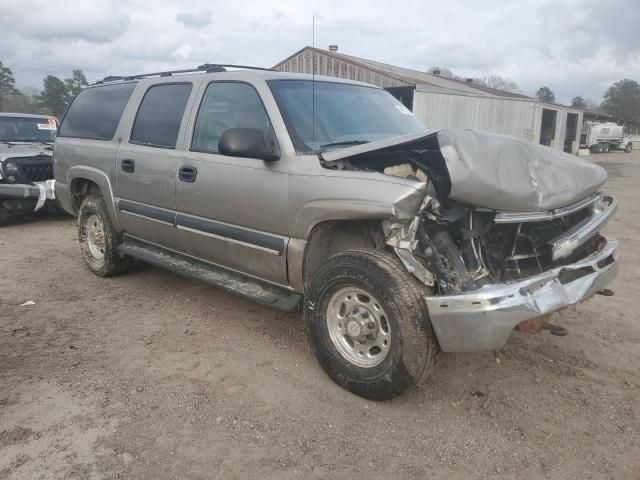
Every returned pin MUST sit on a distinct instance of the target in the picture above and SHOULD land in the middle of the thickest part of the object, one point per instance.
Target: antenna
(313, 80)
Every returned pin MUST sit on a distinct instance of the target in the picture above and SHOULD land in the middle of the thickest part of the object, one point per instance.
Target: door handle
(128, 165)
(187, 174)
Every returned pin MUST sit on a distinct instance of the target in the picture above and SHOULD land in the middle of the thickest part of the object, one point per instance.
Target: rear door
(233, 211)
(147, 162)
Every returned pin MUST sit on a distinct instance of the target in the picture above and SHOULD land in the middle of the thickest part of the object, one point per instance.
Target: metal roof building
(442, 102)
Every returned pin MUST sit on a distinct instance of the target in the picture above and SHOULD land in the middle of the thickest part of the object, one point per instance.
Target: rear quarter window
(95, 112)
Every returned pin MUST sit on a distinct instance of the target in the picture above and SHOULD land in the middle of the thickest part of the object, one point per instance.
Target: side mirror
(247, 142)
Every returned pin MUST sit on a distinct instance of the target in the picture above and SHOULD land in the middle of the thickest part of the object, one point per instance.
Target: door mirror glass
(246, 142)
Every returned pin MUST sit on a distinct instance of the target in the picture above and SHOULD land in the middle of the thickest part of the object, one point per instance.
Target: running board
(231, 282)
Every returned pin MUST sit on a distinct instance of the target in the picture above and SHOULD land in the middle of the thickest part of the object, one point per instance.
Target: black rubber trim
(262, 240)
(154, 213)
(250, 237)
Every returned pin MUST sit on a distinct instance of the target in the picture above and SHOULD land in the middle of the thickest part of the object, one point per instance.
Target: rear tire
(99, 239)
(388, 352)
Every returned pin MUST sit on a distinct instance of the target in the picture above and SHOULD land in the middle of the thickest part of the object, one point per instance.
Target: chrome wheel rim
(95, 237)
(359, 327)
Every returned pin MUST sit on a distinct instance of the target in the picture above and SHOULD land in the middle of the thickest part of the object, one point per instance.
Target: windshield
(345, 114)
(26, 129)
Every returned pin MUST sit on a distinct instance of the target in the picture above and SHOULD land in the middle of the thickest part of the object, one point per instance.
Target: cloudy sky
(576, 47)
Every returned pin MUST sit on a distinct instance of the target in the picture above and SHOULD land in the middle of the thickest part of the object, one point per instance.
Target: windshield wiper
(345, 143)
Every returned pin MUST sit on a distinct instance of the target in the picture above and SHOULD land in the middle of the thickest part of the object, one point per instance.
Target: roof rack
(204, 68)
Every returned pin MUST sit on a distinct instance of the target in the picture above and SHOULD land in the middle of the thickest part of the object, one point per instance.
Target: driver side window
(227, 105)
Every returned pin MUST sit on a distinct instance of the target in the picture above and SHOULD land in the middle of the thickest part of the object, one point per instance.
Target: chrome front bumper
(483, 319)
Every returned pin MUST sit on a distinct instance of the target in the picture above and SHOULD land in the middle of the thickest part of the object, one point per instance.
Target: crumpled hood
(500, 172)
(20, 149)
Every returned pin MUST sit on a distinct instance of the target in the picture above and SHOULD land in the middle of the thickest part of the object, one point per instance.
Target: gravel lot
(150, 375)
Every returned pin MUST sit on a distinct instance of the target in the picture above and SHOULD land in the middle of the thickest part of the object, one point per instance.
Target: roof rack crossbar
(204, 68)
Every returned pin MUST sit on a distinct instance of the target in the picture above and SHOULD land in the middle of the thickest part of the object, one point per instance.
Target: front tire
(628, 147)
(99, 239)
(368, 324)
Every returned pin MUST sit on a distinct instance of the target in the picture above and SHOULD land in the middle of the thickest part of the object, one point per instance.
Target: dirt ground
(153, 376)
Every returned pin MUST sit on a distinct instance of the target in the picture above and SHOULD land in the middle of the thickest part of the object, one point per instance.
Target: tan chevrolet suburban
(328, 195)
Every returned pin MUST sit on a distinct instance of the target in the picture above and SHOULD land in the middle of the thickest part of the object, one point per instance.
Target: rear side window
(227, 105)
(160, 114)
(95, 112)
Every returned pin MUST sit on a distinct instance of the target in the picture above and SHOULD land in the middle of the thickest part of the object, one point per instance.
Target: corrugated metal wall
(510, 117)
(521, 119)
(335, 67)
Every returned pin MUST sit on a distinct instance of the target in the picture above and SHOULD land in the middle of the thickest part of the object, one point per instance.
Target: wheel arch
(357, 223)
(87, 180)
(328, 238)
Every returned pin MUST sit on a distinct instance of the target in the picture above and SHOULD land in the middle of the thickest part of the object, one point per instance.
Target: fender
(104, 183)
(404, 207)
(387, 200)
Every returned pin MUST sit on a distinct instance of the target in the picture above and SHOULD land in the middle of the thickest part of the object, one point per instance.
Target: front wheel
(99, 239)
(628, 147)
(368, 324)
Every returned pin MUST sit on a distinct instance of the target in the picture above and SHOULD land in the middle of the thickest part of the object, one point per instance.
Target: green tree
(54, 96)
(622, 100)
(545, 94)
(7, 85)
(579, 102)
(75, 83)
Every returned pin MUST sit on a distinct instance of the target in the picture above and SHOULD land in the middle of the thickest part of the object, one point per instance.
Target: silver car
(330, 196)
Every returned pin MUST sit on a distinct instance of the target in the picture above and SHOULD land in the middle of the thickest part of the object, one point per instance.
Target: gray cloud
(592, 25)
(576, 48)
(97, 21)
(194, 19)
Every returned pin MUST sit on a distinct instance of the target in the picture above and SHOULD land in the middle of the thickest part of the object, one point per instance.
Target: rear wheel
(98, 239)
(368, 324)
(606, 147)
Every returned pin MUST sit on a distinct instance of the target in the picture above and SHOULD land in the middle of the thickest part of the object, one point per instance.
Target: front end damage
(507, 231)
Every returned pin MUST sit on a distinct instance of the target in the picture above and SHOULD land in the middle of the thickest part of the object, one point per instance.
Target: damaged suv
(396, 241)
(26, 163)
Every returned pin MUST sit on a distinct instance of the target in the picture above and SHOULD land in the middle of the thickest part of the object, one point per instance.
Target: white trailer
(603, 137)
